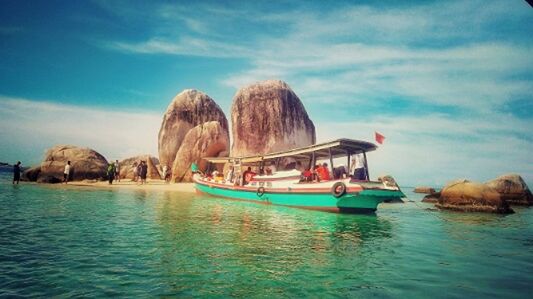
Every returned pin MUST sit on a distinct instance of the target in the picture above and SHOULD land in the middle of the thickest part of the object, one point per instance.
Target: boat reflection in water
(215, 240)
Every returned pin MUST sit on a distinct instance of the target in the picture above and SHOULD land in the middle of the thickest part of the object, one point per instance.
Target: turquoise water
(69, 242)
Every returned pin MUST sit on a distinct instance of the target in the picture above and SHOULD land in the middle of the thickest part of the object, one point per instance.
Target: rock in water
(427, 190)
(210, 139)
(269, 117)
(513, 189)
(431, 198)
(472, 197)
(85, 163)
(187, 110)
(154, 168)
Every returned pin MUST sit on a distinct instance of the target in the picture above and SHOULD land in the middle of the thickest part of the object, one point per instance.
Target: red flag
(379, 137)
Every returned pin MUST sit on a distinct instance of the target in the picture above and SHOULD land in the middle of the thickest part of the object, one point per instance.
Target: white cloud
(440, 54)
(433, 149)
(29, 127)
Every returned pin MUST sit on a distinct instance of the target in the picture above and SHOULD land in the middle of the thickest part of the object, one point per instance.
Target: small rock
(427, 190)
(431, 198)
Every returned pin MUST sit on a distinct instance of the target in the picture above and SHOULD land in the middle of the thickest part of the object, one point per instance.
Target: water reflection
(211, 238)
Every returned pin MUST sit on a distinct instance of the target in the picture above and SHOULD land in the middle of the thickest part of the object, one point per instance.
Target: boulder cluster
(495, 196)
(265, 117)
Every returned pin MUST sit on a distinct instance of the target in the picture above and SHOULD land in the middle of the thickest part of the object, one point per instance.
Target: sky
(449, 83)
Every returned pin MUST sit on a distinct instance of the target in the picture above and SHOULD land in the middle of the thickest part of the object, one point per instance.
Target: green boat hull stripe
(363, 200)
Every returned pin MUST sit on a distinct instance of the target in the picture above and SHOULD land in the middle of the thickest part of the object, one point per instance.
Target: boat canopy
(332, 149)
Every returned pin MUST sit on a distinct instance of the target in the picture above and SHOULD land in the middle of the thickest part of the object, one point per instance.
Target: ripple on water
(62, 241)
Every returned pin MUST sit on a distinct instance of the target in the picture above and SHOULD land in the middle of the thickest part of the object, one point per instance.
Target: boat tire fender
(338, 189)
(260, 191)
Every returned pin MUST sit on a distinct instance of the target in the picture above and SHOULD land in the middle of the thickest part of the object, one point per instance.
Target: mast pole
(366, 167)
(331, 160)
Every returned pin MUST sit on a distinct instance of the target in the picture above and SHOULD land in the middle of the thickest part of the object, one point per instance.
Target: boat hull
(362, 201)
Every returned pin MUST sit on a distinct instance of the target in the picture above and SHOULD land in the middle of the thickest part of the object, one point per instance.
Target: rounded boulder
(469, 196)
(269, 117)
(210, 139)
(187, 110)
(127, 166)
(513, 189)
(85, 163)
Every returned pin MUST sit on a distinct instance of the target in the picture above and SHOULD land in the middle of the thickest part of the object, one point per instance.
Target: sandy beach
(158, 185)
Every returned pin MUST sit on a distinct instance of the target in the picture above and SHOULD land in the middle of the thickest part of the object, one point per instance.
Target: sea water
(66, 241)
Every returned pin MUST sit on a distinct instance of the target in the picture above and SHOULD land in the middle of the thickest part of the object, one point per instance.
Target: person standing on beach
(16, 173)
(117, 171)
(144, 172)
(135, 172)
(111, 172)
(165, 170)
(66, 172)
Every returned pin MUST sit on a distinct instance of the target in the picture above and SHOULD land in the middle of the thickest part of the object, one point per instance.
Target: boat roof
(338, 148)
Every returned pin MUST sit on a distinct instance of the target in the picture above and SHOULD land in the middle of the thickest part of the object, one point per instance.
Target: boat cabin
(292, 163)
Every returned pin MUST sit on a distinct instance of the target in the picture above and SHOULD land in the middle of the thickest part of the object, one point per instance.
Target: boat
(289, 188)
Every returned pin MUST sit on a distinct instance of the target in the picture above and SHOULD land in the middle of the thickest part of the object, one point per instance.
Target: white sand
(159, 185)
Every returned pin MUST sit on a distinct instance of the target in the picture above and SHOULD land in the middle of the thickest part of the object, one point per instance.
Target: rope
(429, 211)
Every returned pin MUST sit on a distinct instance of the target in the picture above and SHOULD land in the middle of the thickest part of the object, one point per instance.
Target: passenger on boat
(229, 175)
(307, 176)
(358, 168)
(316, 177)
(323, 172)
(268, 170)
(248, 176)
(339, 172)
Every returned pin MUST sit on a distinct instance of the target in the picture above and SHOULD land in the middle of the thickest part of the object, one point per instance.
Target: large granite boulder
(269, 117)
(472, 197)
(31, 174)
(187, 110)
(127, 166)
(210, 139)
(85, 163)
(513, 189)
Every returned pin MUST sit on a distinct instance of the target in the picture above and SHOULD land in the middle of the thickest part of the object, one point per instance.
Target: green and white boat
(345, 195)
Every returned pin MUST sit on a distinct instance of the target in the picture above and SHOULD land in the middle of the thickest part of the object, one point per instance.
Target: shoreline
(158, 185)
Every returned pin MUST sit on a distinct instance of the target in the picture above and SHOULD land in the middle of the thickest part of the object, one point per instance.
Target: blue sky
(449, 83)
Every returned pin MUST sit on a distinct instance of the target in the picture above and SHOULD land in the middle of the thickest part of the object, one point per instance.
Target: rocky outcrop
(431, 198)
(472, 197)
(268, 117)
(426, 190)
(85, 164)
(187, 110)
(512, 189)
(48, 179)
(127, 166)
(31, 174)
(210, 139)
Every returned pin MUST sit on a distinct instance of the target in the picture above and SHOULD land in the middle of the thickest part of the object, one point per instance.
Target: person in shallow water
(16, 173)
